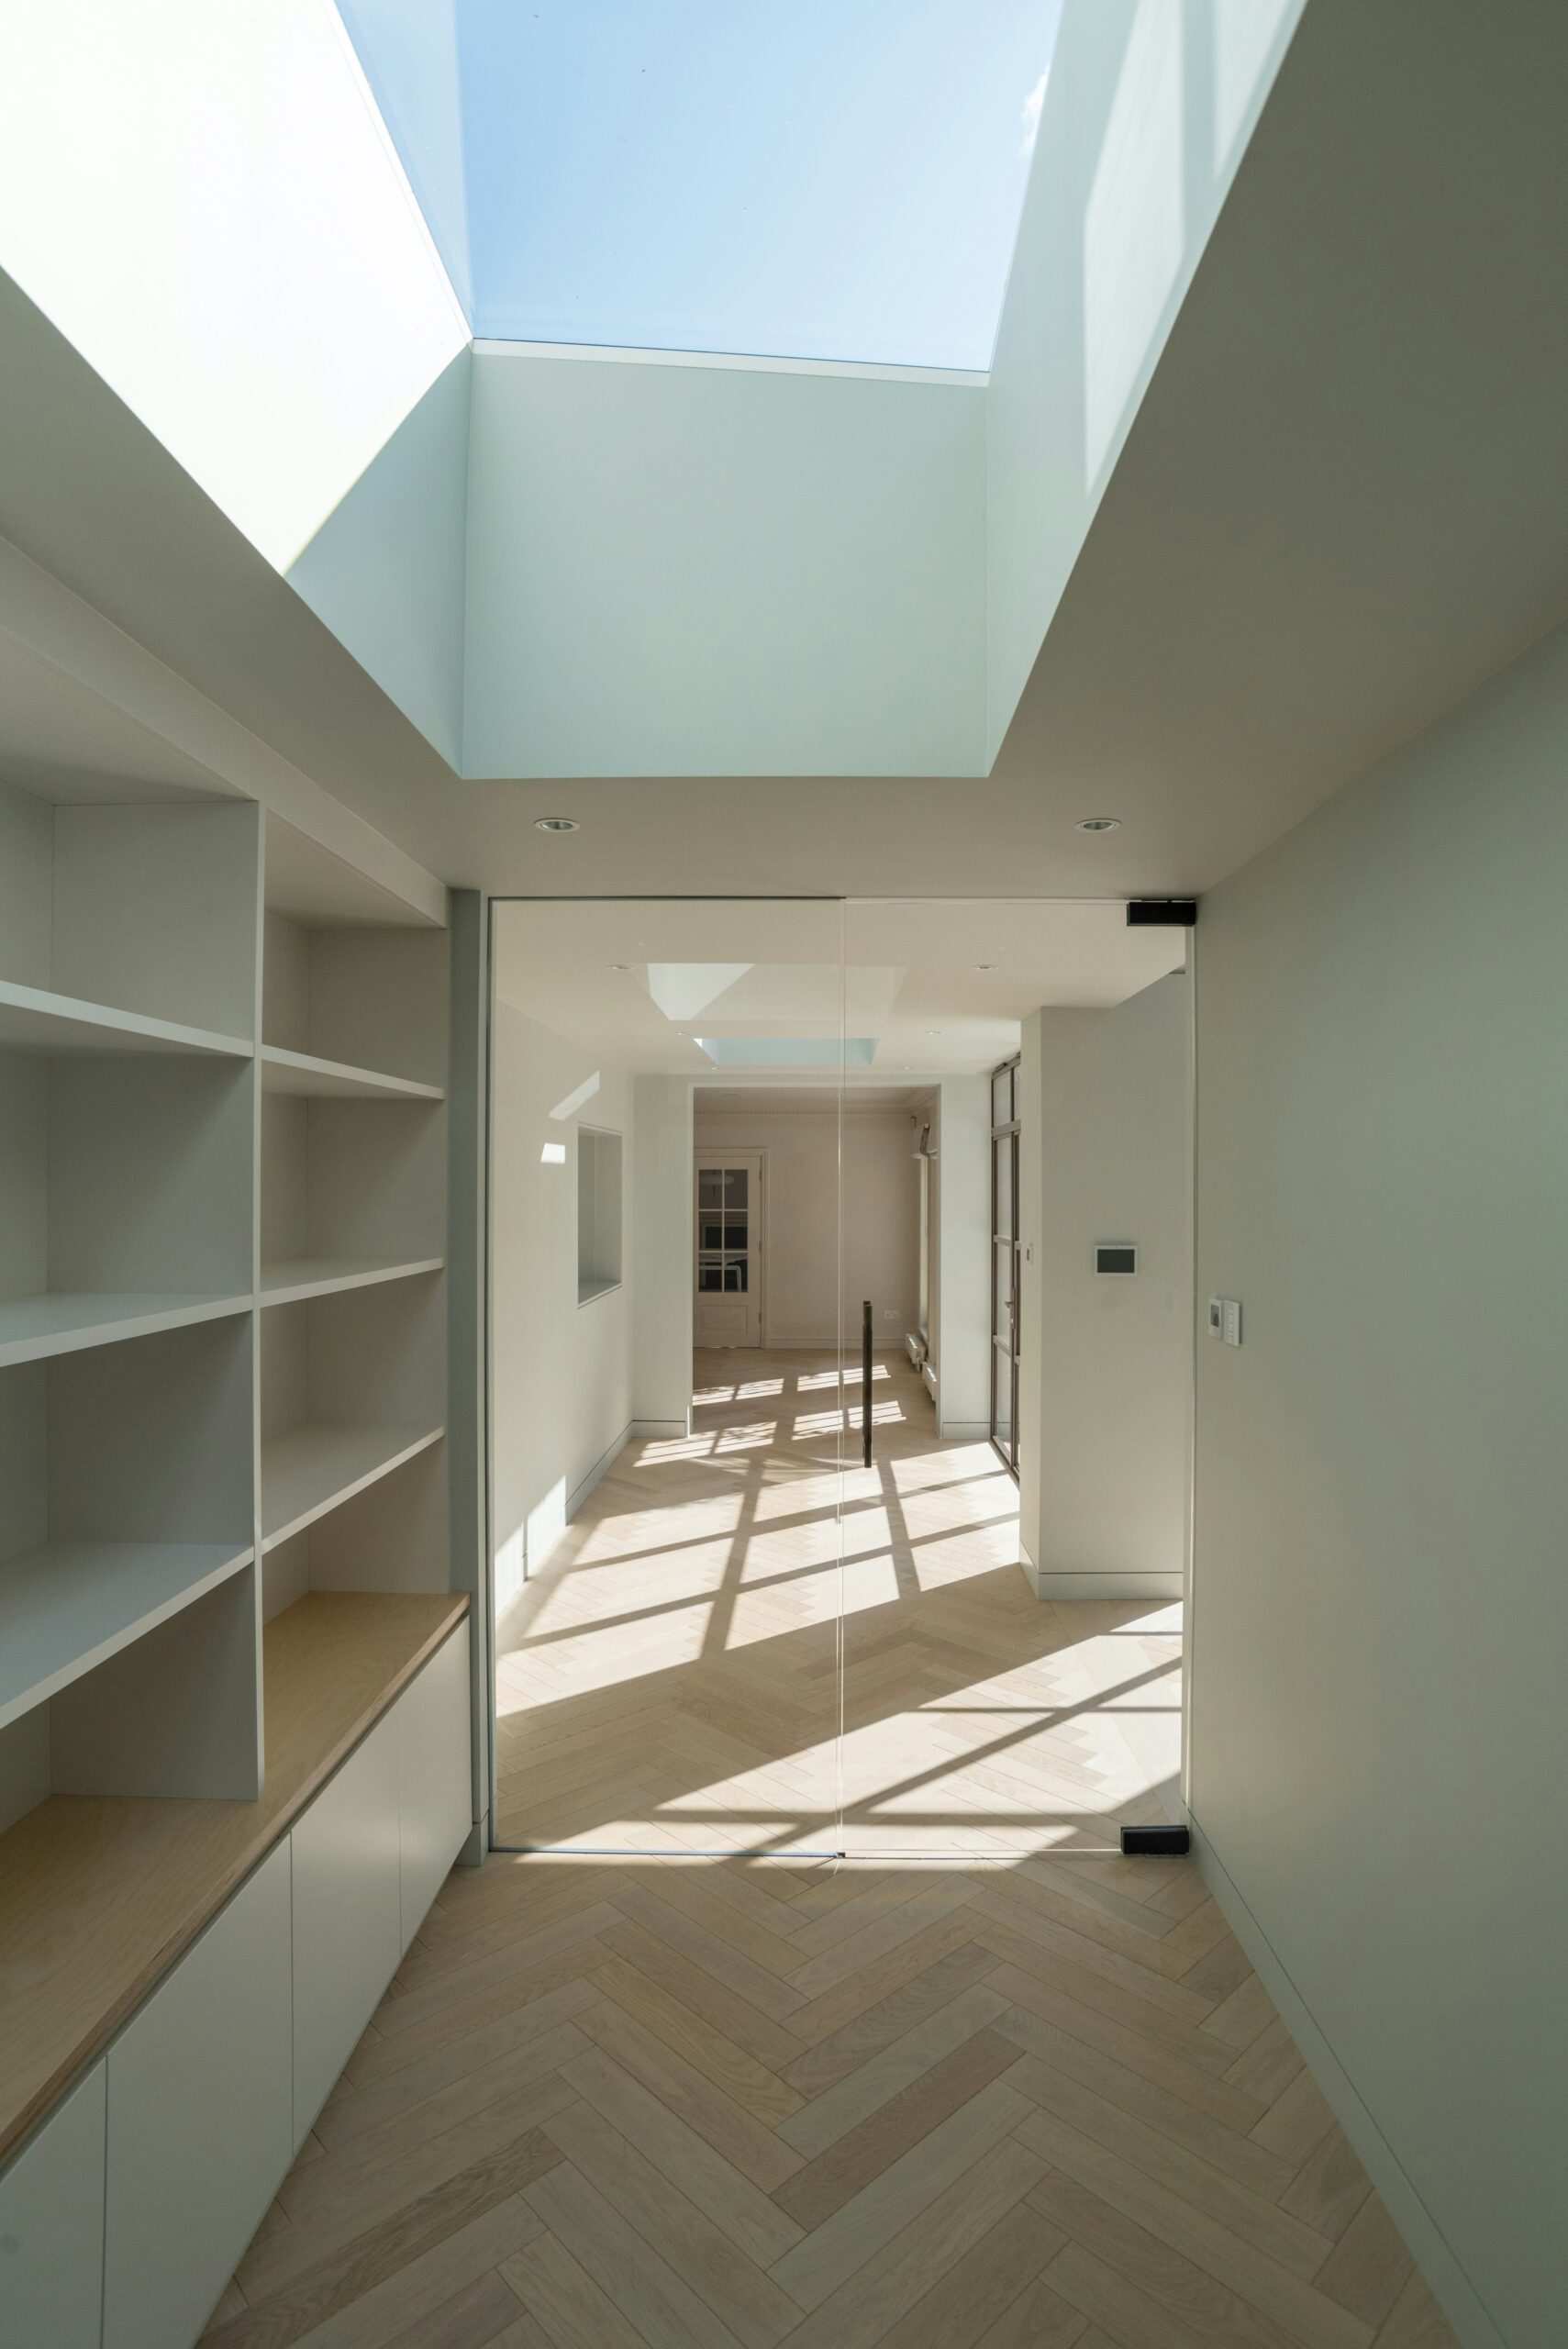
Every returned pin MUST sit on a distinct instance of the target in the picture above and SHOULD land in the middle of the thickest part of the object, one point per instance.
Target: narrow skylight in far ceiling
(812, 179)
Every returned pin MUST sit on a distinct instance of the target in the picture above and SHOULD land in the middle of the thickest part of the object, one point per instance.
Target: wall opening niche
(598, 1212)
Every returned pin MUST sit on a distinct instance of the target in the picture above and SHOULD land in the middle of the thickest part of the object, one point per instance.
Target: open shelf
(37, 1020)
(305, 1074)
(63, 1322)
(68, 1606)
(296, 1278)
(308, 1470)
(99, 1896)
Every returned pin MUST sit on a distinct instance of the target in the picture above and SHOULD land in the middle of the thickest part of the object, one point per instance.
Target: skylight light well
(815, 181)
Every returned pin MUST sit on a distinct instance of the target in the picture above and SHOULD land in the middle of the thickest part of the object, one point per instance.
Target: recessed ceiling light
(555, 823)
(620, 966)
(982, 966)
(1100, 824)
(933, 1032)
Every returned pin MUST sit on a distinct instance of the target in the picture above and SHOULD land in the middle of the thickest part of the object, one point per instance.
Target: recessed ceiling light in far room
(620, 966)
(555, 823)
(1099, 824)
(982, 966)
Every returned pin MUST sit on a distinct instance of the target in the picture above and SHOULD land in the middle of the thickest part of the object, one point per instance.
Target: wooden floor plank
(756, 2311)
(752, 2220)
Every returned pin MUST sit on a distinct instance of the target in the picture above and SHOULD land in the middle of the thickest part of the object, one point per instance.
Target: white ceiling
(1341, 506)
(766, 974)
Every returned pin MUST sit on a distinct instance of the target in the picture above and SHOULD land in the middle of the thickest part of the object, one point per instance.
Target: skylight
(815, 179)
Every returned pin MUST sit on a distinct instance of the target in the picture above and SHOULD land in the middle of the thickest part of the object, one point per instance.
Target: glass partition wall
(767, 1580)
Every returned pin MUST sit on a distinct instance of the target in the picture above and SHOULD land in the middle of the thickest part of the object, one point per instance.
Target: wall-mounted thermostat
(1114, 1256)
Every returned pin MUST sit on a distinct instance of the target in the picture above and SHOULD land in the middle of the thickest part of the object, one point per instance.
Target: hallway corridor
(669, 1681)
(1000, 2098)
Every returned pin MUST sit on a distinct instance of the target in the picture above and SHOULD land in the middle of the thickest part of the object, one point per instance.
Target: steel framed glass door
(1006, 1262)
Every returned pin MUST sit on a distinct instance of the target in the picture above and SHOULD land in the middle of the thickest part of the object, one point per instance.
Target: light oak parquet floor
(1019, 2097)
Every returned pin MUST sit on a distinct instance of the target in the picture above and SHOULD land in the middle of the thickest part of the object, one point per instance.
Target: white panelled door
(727, 1257)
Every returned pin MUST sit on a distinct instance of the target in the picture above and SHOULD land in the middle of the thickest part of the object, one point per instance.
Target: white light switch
(1232, 1321)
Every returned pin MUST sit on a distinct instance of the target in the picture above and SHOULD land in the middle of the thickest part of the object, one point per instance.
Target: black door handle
(865, 1384)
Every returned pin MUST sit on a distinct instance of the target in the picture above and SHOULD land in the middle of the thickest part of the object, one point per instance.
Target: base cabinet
(347, 1914)
(200, 2121)
(51, 2229)
(124, 2217)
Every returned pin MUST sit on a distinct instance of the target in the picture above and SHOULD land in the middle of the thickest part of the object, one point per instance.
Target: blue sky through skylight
(824, 178)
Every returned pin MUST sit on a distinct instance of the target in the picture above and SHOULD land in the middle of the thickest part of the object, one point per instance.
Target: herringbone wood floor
(670, 1680)
(1018, 2096)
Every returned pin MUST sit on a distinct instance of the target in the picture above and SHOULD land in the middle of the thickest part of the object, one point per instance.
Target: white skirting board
(642, 1429)
(1108, 1586)
(963, 1431)
(606, 1459)
(1450, 2285)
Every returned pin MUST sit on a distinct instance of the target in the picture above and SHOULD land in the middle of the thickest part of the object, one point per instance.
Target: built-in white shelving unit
(222, 1285)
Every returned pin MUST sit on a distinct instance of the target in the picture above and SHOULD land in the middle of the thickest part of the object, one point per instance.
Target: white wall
(1379, 1732)
(662, 1253)
(882, 1220)
(961, 1339)
(705, 570)
(202, 201)
(386, 570)
(562, 1380)
(1148, 110)
(1104, 1385)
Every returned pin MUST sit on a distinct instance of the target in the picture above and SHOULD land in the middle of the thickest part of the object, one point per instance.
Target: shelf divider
(308, 1470)
(37, 1020)
(63, 1321)
(70, 1605)
(304, 1072)
(285, 1283)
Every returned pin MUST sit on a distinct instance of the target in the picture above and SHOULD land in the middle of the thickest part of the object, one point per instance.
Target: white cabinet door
(200, 2121)
(51, 2228)
(435, 1781)
(347, 1915)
